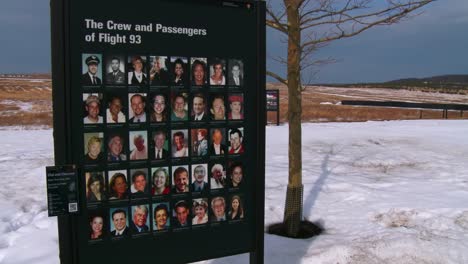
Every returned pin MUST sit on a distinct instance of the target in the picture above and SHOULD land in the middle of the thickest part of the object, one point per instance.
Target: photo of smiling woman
(199, 73)
(179, 72)
(161, 216)
(93, 147)
(95, 188)
(218, 72)
(160, 181)
(158, 108)
(200, 211)
(139, 148)
(236, 175)
(139, 184)
(118, 188)
(96, 225)
(236, 211)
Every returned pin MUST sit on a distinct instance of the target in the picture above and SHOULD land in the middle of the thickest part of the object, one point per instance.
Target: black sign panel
(272, 100)
(62, 190)
(162, 117)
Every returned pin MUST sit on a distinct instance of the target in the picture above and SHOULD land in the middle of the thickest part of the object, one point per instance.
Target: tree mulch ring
(307, 229)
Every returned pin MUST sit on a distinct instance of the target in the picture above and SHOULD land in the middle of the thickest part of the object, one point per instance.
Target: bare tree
(308, 26)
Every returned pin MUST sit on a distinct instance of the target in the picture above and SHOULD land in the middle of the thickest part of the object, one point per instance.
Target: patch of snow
(385, 192)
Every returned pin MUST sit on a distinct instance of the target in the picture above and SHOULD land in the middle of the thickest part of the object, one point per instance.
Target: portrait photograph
(217, 176)
(236, 106)
(116, 147)
(160, 181)
(180, 179)
(217, 72)
(181, 214)
(160, 145)
(138, 142)
(179, 143)
(140, 220)
(117, 108)
(95, 186)
(118, 186)
(92, 108)
(200, 211)
(159, 71)
(91, 69)
(217, 142)
(235, 73)
(139, 181)
(235, 174)
(137, 70)
(236, 144)
(218, 209)
(236, 208)
(137, 109)
(199, 138)
(115, 69)
(199, 111)
(119, 222)
(217, 107)
(93, 147)
(161, 216)
(199, 178)
(159, 107)
(179, 71)
(179, 103)
(97, 228)
(198, 71)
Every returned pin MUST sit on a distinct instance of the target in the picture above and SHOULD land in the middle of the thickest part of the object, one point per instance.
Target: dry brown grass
(36, 92)
(28, 119)
(314, 109)
(25, 90)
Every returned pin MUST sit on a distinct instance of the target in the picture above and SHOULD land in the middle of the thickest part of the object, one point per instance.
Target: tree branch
(404, 9)
(275, 21)
(277, 77)
(366, 25)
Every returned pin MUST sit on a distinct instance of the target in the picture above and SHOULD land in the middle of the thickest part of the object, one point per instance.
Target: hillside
(452, 83)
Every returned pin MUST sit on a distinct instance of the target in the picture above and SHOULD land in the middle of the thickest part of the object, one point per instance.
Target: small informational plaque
(62, 190)
(272, 99)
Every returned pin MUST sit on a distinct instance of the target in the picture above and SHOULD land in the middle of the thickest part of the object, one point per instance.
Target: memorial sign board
(158, 103)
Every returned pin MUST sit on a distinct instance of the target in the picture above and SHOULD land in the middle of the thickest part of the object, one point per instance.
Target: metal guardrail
(432, 106)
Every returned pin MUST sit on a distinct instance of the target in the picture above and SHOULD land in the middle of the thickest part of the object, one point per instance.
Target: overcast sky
(433, 43)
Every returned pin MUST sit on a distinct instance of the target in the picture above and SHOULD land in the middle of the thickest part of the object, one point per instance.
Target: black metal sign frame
(70, 54)
(272, 105)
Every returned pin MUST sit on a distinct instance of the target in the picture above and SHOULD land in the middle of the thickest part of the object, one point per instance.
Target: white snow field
(385, 192)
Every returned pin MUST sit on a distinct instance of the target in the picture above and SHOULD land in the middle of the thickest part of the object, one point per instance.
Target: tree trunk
(293, 209)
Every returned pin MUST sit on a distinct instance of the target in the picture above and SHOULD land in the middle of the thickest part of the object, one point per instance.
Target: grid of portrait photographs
(163, 143)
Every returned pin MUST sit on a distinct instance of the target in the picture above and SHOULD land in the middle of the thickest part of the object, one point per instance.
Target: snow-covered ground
(386, 192)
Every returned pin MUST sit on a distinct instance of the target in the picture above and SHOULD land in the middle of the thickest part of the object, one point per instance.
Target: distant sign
(62, 191)
(272, 100)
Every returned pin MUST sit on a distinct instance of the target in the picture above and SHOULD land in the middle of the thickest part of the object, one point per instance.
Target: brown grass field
(322, 104)
(27, 101)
